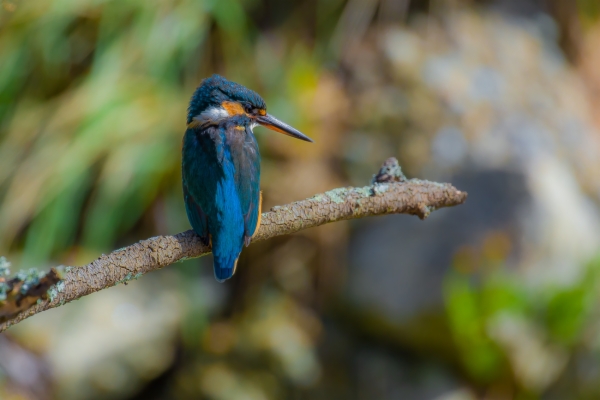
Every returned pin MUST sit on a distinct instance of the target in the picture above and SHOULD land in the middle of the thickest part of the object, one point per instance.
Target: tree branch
(389, 194)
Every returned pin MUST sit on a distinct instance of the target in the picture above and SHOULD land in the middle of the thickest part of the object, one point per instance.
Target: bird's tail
(224, 266)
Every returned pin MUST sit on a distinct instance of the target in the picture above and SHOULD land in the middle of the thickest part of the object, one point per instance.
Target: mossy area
(55, 290)
(338, 196)
(129, 277)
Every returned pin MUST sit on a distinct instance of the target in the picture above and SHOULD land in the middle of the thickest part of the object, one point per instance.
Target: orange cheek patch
(233, 107)
(262, 112)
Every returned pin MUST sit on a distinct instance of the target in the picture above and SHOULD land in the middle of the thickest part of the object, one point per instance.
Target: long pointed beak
(269, 121)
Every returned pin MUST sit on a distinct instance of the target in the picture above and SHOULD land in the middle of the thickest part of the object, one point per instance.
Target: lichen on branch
(26, 288)
(390, 193)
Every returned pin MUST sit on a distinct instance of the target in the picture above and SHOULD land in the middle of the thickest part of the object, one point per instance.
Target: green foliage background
(92, 108)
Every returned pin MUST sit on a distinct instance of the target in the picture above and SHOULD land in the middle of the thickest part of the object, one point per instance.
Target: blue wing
(247, 167)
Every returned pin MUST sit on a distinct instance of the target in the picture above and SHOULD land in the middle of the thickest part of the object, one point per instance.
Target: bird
(221, 167)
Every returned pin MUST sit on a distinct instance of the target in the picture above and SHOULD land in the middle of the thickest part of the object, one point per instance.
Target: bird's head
(218, 99)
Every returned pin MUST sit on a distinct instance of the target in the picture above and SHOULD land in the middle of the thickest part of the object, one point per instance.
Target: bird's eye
(248, 108)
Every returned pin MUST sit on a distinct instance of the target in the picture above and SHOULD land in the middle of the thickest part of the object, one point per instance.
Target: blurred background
(495, 299)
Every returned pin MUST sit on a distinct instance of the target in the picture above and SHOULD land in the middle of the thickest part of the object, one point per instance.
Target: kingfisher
(221, 167)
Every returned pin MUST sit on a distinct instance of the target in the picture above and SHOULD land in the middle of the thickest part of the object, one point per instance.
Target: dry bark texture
(388, 195)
